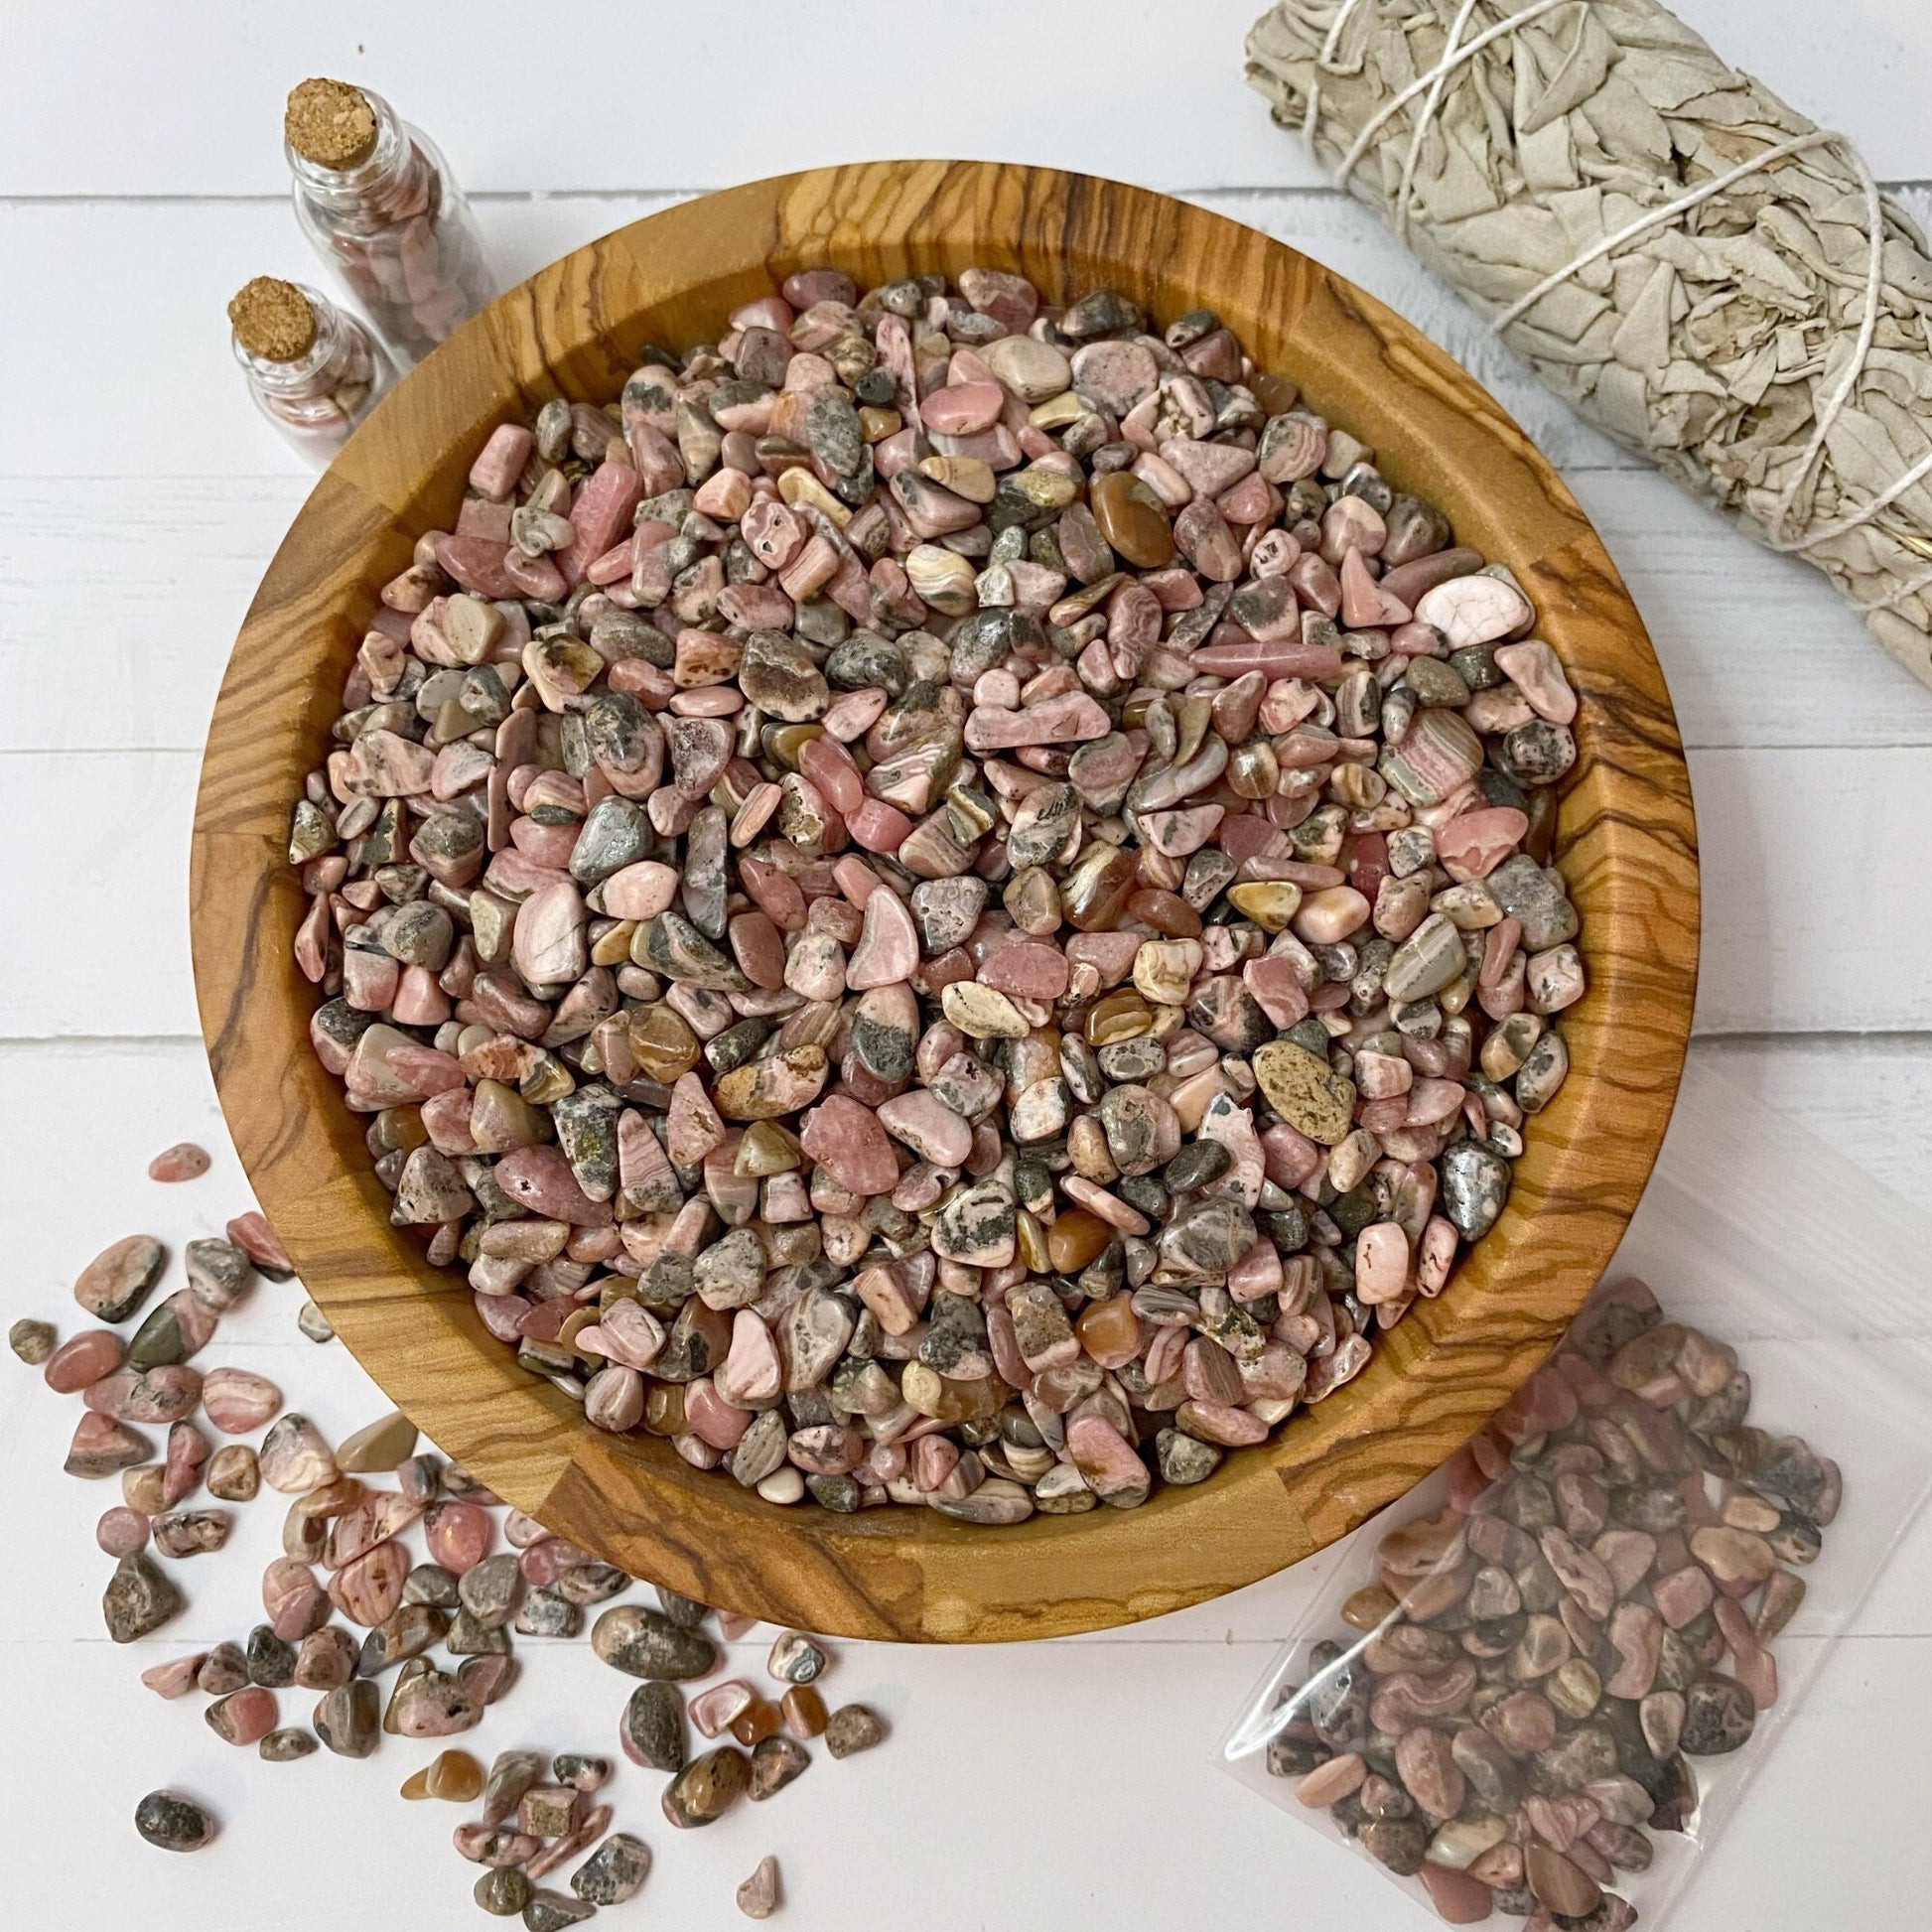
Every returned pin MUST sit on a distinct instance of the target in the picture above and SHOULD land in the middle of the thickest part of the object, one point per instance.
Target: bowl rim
(1626, 846)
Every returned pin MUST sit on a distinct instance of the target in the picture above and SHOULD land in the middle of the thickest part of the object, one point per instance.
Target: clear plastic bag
(1547, 1718)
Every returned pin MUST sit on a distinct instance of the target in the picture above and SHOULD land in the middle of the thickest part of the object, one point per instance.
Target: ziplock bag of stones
(1538, 1687)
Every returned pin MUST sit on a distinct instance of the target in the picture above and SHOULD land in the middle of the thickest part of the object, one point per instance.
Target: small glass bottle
(311, 367)
(380, 206)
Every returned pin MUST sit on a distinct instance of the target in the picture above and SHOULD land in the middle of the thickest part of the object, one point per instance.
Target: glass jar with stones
(312, 370)
(380, 207)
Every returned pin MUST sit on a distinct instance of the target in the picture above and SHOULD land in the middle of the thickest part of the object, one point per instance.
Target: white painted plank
(119, 601)
(122, 602)
(1804, 853)
(699, 98)
(188, 257)
(1141, 91)
(204, 426)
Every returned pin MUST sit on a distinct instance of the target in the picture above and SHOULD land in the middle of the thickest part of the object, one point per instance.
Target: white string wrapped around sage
(1703, 274)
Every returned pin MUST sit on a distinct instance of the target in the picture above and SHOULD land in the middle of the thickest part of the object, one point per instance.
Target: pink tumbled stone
(368, 1591)
(458, 1535)
(1257, 1273)
(1030, 968)
(1435, 1255)
(963, 408)
(1329, 917)
(293, 1601)
(777, 897)
(1289, 1155)
(852, 714)
(1535, 671)
(237, 1400)
(1473, 843)
(856, 880)
(547, 944)
(1381, 1262)
(176, 1678)
(259, 1241)
(541, 1180)
(1107, 1208)
(928, 1126)
(878, 826)
(600, 515)
(501, 460)
(711, 1419)
(1110, 954)
(1065, 720)
(751, 1372)
(628, 1334)
(714, 1708)
(1108, 1462)
(82, 1360)
(641, 892)
(1277, 989)
(182, 1162)
(547, 1559)
(121, 1531)
(847, 1140)
(758, 950)
(692, 1125)
(828, 764)
(419, 1001)
(243, 1716)
(1458, 1898)
(887, 949)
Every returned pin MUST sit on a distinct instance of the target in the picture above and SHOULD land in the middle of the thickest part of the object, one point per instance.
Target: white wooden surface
(1034, 1787)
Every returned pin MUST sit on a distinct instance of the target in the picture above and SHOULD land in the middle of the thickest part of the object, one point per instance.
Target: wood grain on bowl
(1626, 845)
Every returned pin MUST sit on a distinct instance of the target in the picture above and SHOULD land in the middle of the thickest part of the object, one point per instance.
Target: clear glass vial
(313, 370)
(382, 208)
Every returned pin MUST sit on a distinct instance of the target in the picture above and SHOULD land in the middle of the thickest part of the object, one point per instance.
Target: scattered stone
(707, 1787)
(294, 1459)
(33, 1341)
(645, 1644)
(182, 1162)
(174, 1823)
(243, 1716)
(257, 1240)
(614, 1872)
(758, 1895)
(852, 1727)
(551, 1911)
(502, 1892)
(218, 1273)
(349, 1718)
(139, 1598)
(119, 1278)
(776, 1762)
(233, 1474)
(651, 1730)
(102, 1446)
(796, 1659)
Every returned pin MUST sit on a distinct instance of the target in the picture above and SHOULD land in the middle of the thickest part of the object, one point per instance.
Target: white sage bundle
(1691, 263)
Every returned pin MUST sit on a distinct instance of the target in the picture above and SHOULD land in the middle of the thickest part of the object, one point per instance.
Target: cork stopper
(330, 123)
(273, 320)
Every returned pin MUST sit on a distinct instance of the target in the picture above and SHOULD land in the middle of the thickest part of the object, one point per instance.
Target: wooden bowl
(1626, 845)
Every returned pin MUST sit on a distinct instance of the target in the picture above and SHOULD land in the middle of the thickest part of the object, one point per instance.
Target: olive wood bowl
(1626, 844)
